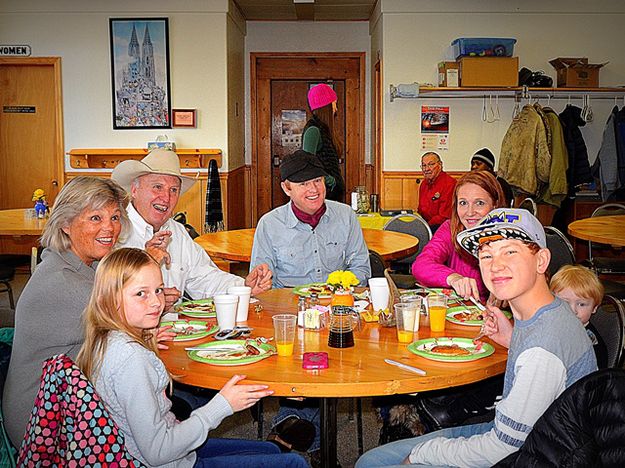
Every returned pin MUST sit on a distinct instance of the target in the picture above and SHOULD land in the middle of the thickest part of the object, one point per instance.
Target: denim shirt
(298, 254)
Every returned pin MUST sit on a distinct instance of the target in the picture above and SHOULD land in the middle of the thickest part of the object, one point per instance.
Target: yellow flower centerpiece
(41, 206)
(341, 283)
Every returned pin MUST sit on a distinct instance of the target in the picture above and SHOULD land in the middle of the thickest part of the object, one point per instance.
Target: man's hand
(164, 334)
(259, 279)
(243, 396)
(157, 247)
(464, 287)
(497, 326)
(171, 296)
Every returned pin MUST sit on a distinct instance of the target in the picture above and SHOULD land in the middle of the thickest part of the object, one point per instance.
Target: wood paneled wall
(400, 190)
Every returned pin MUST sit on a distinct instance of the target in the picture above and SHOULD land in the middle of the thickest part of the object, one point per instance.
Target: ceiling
(306, 10)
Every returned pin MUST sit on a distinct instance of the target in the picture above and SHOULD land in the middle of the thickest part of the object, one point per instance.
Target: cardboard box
(576, 72)
(489, 71)
(449, 74)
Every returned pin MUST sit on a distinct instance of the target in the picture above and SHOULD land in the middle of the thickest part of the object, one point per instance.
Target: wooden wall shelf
(108, 158)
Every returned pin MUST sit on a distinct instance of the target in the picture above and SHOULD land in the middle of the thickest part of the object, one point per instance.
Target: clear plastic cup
(437, 308)
(417, 302)
(405, 314)
(284, 326)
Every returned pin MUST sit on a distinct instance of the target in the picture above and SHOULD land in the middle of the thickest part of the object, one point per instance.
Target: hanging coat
(214, 218)
(557, 189)
(524, 160)
(579, 167)
(606, 164)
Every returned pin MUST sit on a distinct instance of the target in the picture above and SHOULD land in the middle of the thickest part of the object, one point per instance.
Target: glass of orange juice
(437, 305)
(405, 313)
(284, 333)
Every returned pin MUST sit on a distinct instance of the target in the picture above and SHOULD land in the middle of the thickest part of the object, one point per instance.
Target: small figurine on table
(41, 205)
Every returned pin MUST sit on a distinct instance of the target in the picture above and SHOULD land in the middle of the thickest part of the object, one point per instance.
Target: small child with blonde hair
(581, 289)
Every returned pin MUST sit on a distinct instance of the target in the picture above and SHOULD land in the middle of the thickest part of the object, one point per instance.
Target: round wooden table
(236, 245)
(604, 229)
(19, 222)
(359, 371)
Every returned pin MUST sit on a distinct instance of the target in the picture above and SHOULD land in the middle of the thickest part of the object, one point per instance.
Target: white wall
(416, 36)
(78, 32)
(286, 36)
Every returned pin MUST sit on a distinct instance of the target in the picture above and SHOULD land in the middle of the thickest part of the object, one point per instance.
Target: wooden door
(289, 111)
(31, 130)
(347, 70)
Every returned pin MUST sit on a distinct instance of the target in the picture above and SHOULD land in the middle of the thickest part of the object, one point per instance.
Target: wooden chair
(601, 264)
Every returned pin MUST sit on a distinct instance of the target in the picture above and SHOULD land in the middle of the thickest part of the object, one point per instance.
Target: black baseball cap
(301, 166)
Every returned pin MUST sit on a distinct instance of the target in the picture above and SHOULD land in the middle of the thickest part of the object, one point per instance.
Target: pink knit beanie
(321, 95)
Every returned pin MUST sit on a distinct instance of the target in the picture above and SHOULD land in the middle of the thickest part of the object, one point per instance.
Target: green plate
(304, 290)
(422, 348)
(202, 308)
(187, 330)
(454, 315)
(446, 291)
(215, 359)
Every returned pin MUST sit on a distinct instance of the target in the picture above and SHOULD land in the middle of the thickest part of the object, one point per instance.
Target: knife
(406, 367)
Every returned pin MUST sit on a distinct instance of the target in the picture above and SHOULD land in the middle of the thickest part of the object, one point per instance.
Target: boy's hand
(464, 287)
(259, 279)
(497, 326)
(241, 397)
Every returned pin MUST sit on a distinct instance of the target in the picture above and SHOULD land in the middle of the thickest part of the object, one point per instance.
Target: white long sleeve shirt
(191, 269)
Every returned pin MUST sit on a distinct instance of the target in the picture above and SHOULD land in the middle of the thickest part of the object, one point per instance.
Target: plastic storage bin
(483, 47)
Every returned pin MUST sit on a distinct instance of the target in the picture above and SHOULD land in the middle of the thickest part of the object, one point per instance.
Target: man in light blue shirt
(309, 237)
(303, 242)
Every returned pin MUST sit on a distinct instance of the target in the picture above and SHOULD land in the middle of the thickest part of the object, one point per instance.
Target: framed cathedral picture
(140, 73)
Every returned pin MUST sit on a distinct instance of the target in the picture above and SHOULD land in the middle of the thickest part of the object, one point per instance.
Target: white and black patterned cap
(503, 223)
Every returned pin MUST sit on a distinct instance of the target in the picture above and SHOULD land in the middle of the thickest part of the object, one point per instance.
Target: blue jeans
(239, 453)
(307, 410)
(393, 454)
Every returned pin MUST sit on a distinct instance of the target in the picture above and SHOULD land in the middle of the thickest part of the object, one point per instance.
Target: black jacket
(584, 427)
(579, 167)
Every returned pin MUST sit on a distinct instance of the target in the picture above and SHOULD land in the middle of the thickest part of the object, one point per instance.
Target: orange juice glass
(437, 305)
(405, 314)
(284, 332)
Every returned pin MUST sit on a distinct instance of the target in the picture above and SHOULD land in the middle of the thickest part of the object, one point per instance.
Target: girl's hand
(242, 397)
(164, 334)
(464, 287)
(497, 326)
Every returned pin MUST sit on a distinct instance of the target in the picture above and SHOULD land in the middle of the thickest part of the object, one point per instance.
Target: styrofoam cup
(380, 293)
(243, 293)
(226, 309)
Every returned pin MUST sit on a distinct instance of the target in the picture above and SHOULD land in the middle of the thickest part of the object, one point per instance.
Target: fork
(482, 332)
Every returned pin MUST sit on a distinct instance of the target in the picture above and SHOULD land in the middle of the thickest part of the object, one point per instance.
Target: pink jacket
(439, 259)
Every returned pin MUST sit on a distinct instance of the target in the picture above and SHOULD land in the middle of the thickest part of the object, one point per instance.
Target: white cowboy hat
(158, 161)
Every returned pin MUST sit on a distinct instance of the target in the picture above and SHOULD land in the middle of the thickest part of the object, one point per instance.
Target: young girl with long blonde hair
(120, 357)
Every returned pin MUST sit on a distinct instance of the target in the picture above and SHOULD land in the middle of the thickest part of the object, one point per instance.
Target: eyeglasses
(429, 165)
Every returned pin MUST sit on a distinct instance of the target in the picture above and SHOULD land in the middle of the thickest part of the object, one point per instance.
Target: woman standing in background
(318, 138)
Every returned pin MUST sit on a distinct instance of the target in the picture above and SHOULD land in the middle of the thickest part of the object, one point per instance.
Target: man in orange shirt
(436, 191)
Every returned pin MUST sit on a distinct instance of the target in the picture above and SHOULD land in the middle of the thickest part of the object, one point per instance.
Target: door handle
(276, 161)
(55, 183)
